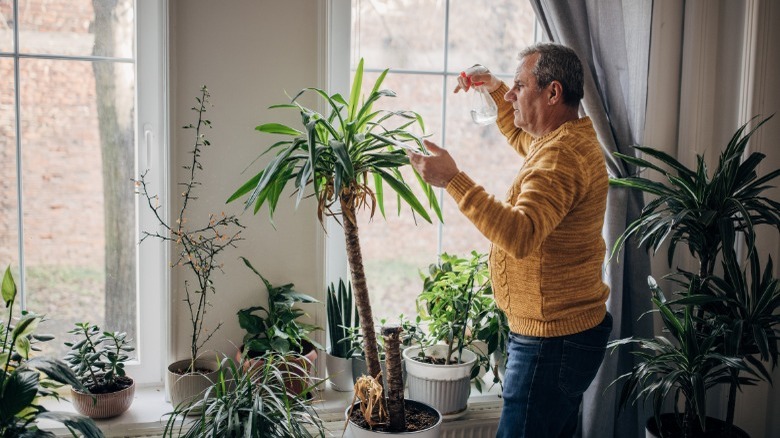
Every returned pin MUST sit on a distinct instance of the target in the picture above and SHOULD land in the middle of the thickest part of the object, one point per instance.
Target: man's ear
(555, 93)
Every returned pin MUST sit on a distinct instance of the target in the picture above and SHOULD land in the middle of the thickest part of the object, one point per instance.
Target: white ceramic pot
(188, 387)
(339, 372)
(103, 405)
(434, 431)
(445, 387)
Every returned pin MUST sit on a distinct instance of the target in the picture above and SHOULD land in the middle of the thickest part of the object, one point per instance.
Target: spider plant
(705, 213)
(252, 402)
(346, 157)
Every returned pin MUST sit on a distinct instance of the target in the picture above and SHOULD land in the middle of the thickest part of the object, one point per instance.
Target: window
(426, 45)
(80, 115)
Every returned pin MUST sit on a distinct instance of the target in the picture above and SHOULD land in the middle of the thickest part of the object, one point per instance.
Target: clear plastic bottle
(483, 109)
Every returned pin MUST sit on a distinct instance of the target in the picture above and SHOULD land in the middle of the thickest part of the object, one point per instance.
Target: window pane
(489, 32)
(69, 27)
(394, 250)
(408, 36)
(405, 35)
(6, 25)
(9, 215)
(482, 152)
(78, 157)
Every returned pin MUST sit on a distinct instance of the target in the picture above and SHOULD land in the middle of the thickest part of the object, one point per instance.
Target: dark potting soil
(434, 360)
(186, 370)
(417, 418)
(119, 384)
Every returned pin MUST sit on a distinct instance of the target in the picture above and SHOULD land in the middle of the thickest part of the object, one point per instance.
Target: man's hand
(477, 75)
(436, 169)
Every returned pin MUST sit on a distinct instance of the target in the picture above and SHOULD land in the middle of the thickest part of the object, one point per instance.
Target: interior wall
(248, 53)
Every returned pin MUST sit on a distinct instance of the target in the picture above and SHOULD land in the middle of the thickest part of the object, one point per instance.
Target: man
(547, 251)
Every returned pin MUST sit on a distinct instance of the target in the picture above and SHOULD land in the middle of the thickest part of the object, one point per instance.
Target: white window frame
(152, 151)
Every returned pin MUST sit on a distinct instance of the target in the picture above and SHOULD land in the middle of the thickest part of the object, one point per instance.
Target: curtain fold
(612, 38)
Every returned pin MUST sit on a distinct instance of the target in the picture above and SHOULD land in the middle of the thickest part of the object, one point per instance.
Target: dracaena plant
(25, 379)
(705, 212)
(345, 159)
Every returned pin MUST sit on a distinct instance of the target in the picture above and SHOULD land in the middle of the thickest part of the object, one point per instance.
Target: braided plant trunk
(395, 381)
(360, 289)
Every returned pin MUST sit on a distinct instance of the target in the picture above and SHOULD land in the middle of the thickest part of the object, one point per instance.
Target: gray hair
(557, 63)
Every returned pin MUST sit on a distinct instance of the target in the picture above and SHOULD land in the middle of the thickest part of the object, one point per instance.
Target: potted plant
(341, 155)
(197, 248)
(248, 402)
(278, 329)
(24, 380)
(342, 316)
(453, 303)
(98, 359)
(723, 322)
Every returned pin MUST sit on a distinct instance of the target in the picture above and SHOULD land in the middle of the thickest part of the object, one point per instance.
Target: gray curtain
(612, 38)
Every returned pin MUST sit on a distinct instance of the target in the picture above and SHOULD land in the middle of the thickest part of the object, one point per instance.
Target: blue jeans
(545, 379)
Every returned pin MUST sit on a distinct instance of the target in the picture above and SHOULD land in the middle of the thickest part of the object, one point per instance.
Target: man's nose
(509, 96)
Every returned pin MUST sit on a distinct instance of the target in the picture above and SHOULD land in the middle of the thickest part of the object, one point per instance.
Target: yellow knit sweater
(547, 251)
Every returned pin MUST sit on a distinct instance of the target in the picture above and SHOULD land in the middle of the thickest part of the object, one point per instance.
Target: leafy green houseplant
(278, 328)
(25, 380)
(723, 321)
(347, 158)
(98, 359)
(197, 250)
(248, 402)
(454, 303)
(342, 318)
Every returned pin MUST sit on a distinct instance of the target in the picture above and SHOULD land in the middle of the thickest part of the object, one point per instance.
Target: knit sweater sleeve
(516, 137)
(546, 193)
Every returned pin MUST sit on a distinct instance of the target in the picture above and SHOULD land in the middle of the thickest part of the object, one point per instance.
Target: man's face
(526, 97)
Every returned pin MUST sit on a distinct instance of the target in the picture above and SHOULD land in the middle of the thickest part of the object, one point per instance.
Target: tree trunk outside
(360, 289)
(117, 148)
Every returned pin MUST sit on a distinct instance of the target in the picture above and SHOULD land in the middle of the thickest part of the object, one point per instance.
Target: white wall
(248, 52)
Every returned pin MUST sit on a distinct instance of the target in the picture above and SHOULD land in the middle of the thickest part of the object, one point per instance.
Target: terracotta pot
(188, 387)
(103, 405)
(297, 377)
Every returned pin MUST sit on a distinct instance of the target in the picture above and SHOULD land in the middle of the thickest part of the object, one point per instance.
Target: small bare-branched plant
(197, 247)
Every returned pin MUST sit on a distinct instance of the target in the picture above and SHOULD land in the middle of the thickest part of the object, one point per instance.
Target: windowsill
(146, 416)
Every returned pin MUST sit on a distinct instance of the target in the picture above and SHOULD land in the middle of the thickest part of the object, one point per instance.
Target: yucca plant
(24, 380)
(251, 402)
(706, 212)
(342, 315)
(346, 157)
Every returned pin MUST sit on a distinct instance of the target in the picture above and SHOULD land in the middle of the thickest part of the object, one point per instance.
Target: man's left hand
(438, 168)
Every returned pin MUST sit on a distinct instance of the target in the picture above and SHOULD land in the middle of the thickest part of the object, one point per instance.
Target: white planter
(355, 431)
(188, 387)
(339, 372)
(445, 387)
